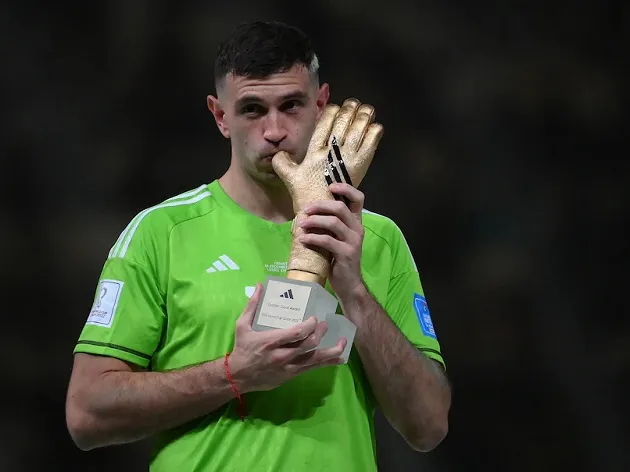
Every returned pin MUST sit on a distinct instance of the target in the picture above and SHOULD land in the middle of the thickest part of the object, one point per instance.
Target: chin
(275, 182)
(265, 175)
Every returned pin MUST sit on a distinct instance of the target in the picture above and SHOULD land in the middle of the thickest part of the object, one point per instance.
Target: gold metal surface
(358, 137)
(305, 276)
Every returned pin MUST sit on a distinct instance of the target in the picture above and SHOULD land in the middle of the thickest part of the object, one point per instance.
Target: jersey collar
(224, 200)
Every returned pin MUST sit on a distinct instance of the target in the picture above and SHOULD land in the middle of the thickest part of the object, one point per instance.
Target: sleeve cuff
(432, 354)
(113, 350)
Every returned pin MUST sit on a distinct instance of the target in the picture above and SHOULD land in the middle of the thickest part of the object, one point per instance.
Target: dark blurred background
(502, 162)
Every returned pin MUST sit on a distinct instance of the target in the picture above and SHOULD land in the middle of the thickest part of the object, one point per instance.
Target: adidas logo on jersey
(287, 294)
(222, 264)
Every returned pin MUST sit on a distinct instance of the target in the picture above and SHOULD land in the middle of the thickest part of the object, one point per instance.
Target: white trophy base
(287, 302)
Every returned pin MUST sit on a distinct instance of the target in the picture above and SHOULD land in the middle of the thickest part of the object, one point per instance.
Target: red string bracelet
(241, 402)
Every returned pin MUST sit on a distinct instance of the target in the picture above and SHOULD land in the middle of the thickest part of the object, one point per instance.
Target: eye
(292, 105)
(252, 110)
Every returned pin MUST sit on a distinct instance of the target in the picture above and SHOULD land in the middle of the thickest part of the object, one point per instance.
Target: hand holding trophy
(341, 150)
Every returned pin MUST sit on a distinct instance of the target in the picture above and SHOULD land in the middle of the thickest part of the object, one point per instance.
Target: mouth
(269, 158)
(266, 160)
(265, 163)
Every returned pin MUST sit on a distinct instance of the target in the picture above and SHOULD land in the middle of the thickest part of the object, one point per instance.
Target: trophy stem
(306, 276)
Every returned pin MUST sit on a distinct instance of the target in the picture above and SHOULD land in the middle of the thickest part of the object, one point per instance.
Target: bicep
(407, 307)
(87, 368)
(406, 303)
(88, 365)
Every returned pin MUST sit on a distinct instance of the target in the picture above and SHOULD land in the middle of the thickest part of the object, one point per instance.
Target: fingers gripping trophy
(341, 150)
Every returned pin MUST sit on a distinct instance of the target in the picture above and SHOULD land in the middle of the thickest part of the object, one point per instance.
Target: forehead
(294, 81)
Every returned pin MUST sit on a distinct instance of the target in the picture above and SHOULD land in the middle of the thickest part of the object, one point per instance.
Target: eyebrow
(249, 99)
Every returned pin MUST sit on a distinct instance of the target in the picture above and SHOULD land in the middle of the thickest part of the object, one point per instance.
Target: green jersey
(170, 292)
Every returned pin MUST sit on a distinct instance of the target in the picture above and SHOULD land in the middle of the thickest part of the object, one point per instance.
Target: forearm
(121, 407)
(410, 388)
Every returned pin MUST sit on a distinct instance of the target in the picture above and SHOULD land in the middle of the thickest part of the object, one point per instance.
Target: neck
(271, 202)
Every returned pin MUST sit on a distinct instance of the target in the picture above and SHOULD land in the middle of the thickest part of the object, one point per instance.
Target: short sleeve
(406, 303)
(128, 314)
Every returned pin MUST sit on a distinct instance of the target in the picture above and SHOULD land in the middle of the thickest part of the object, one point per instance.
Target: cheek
(305, 131)
(242, 135)
(305, 137)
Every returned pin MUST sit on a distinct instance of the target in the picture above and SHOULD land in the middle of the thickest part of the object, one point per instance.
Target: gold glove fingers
(324, 126)
(359, 127)
(344, 119)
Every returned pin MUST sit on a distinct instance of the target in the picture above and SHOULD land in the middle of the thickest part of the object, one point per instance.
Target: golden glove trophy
(341, 150)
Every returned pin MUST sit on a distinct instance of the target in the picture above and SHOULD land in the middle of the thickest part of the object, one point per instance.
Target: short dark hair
(262, 48)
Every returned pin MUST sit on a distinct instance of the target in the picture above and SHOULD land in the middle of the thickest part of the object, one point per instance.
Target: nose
(274, 131)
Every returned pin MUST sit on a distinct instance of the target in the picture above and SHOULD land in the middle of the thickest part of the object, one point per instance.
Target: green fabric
(163, 303)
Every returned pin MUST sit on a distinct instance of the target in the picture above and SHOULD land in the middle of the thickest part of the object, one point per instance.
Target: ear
(219, 115)
(323, 94)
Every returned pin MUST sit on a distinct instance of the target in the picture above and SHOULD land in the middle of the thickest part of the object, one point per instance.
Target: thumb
(247, 317)
(283, 165)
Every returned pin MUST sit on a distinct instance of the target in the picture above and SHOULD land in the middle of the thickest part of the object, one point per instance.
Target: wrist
(355, 296)
(234, 372)
(235, 385)
(354, 301)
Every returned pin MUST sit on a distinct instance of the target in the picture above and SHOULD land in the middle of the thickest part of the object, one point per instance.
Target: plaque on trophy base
(288, 302)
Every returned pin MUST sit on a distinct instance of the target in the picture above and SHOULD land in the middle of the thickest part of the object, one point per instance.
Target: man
(172, 300)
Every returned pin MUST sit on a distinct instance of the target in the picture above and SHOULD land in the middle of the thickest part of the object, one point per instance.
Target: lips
(268, 158)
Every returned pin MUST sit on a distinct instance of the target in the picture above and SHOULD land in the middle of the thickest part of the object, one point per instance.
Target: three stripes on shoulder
(120, 247)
